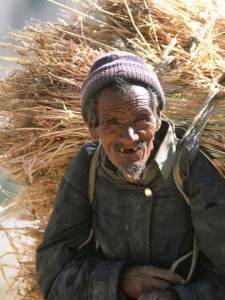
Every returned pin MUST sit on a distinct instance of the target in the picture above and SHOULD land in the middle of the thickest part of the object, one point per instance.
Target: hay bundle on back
(43, 128)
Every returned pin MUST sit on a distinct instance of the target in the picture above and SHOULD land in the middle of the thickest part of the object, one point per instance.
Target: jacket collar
(166, 153)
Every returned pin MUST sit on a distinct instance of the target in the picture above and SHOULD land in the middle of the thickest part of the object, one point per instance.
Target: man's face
(126, 129)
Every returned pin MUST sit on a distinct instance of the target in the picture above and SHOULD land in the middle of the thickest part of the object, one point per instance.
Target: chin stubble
(132, 173)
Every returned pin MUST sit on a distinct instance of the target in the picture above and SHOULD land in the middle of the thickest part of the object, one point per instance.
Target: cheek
(147, 132)
(108, 135)
(107, 141)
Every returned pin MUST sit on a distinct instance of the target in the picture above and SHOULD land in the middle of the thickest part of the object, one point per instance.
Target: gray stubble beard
(132, 173)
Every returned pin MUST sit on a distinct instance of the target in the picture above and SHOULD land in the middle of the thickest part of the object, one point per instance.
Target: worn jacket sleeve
(64, 271)
(206, 189)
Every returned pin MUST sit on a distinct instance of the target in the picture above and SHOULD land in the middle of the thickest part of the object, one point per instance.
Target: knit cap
(121, 64)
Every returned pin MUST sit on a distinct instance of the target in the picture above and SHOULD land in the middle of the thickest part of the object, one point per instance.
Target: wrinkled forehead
(134, 98)
(127, 92)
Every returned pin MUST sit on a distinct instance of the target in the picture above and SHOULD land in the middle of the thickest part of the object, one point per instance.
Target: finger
(164, 274)
(154, 283)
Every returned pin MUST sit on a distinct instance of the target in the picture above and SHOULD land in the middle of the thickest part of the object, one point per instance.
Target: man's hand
(144, 280)
(160, 295)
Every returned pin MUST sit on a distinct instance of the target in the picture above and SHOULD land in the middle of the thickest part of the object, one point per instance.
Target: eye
(113, 122)
(142, 118)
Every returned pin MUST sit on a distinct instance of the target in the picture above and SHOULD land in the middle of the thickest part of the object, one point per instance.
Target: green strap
(91, 186)
(194, 253)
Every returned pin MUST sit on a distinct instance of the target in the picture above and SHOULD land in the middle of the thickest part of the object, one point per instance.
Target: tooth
(121, 150)
(135, 149)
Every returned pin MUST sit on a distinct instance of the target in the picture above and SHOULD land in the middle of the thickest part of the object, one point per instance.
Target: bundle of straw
(43, 129)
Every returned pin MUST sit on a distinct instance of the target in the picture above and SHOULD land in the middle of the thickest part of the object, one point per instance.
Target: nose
(128, 134)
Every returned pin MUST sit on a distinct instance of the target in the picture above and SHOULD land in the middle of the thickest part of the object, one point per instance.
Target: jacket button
(148, 192)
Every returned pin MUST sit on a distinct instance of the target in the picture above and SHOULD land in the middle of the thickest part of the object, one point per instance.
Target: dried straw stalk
(43, 128)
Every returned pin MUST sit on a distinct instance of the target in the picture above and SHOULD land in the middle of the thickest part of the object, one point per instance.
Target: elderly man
(120, 228)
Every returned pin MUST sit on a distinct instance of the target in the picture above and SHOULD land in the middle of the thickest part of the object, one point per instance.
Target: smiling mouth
(129, 150)
(137, 147)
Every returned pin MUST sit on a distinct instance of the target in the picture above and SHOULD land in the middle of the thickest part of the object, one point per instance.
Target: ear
(93, 131)
(158, 119)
